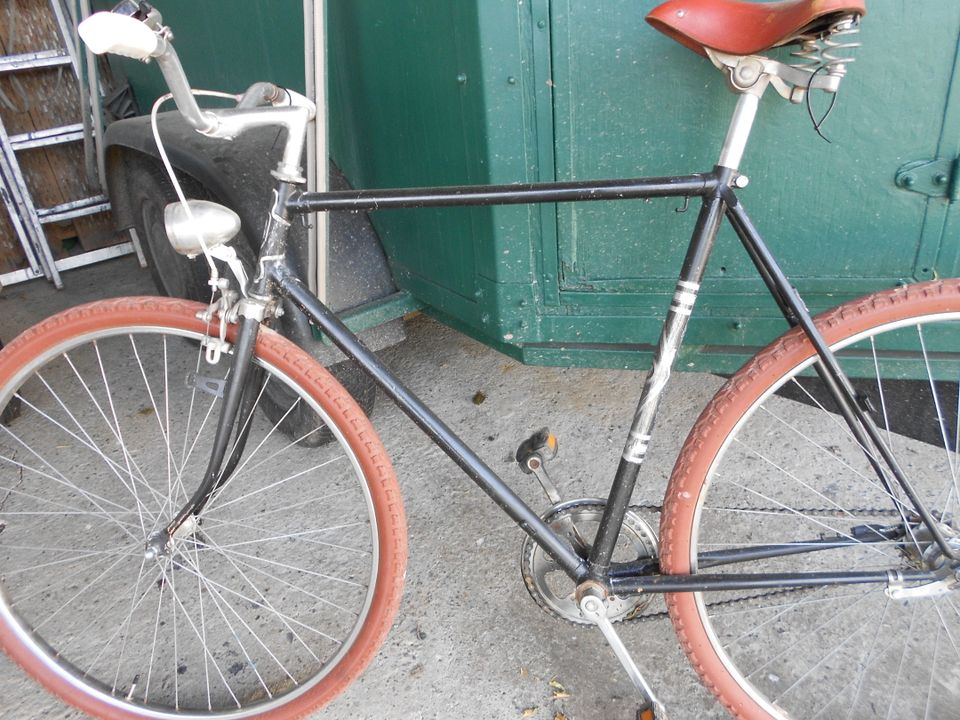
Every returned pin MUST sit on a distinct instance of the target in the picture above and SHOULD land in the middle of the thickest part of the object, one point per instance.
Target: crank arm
(594, 610)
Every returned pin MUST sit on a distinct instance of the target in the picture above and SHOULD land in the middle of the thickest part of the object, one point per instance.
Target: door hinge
(939, 178)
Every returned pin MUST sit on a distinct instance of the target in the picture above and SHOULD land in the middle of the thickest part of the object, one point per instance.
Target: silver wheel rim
(67, 672)
(771, 706)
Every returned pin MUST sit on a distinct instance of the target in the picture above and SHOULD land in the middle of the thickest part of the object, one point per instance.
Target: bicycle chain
(664, 614)
(867, 512)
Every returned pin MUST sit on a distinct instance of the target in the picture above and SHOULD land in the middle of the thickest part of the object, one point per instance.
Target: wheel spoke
(897, 502)
(273, 486)
(124, 627)
(162, 423)
(83, 591)
(933, 674)
(286, 583)
(837, 647)
(278, 589)
(950, 456)
(130, 463)
(831, 621)
(870, 655)
(247, 471)
(213, 585)
(903, 656)
(59, 478)
(286, 566)
(302, 535)
(263, 599)
(812, 520)
(206, 648)
(87, 441)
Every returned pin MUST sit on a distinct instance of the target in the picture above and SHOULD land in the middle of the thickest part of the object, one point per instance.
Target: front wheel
(771, 461)
(268, 603)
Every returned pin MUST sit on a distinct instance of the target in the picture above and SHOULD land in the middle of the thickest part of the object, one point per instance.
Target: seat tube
(674, 328)
(738, 134)
(671, 338)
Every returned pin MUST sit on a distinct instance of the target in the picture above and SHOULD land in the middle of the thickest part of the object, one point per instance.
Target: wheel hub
(932, 558)
(576, 521)
(160, 543)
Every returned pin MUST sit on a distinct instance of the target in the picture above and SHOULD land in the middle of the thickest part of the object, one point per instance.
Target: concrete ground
(468, 641)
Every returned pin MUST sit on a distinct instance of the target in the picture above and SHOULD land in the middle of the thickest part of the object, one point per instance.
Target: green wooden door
(427, 92)
(629, 101)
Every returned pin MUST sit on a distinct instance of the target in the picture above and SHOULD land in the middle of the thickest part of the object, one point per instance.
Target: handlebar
(124, 34)
(106, 32)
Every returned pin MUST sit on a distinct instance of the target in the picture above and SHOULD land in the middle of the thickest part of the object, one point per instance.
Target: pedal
(647, 711)
(593, 609)
(532, 456)
(542, 445)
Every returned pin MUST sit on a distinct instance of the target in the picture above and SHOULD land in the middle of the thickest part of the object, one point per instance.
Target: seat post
(739, 131)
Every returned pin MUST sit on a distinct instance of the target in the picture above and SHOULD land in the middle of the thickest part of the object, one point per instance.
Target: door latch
(939, 178)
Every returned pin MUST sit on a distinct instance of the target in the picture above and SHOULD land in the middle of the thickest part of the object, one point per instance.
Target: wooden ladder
(29, 216)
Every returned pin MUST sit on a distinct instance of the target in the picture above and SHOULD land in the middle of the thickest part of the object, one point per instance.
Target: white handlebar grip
(106, 32)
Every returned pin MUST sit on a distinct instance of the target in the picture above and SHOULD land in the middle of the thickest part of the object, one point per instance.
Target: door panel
(629, 101)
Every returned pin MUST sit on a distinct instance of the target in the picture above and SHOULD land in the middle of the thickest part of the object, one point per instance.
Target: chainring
(576, 521)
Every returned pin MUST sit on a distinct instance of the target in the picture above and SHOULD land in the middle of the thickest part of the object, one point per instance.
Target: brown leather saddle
(747, 28)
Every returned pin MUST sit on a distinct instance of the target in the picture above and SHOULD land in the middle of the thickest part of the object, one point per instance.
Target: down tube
(425, 419)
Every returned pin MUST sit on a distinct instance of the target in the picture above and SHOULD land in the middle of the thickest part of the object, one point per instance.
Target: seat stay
(862, 427)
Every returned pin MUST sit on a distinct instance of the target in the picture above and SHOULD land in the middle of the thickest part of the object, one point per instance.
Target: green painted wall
(407, 80)
(573, 89)
(432, 92)
(831, 212)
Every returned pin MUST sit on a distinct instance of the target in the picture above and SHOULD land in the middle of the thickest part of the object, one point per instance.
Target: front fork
(242, 390)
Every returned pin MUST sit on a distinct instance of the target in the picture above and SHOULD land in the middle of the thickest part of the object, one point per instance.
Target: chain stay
(641, 617)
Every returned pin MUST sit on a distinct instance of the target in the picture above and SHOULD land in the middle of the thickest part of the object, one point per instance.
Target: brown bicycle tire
(313, 378)
(689, 478)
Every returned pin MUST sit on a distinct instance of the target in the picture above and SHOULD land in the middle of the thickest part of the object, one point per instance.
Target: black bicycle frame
(718, 200)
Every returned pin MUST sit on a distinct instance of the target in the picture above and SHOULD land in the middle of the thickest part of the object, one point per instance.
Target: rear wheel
(270, 601)
(762, 468)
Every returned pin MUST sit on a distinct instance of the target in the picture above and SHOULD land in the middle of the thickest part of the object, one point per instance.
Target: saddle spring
(828, 51)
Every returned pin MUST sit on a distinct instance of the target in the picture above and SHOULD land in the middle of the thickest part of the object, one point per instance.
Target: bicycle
(785, 522)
